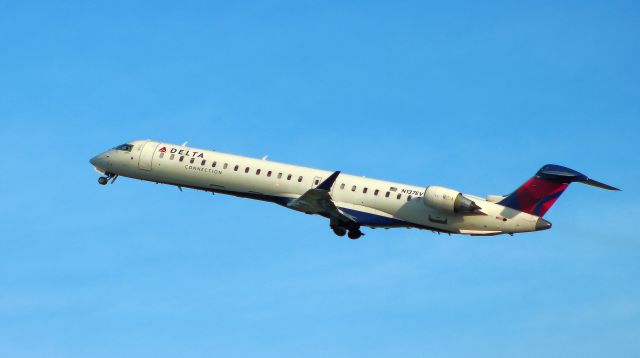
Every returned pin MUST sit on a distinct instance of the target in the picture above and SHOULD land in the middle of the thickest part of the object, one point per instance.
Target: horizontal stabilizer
(598, 184)
(562, 174)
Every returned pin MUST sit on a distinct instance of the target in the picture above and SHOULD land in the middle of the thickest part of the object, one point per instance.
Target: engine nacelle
(448, 200)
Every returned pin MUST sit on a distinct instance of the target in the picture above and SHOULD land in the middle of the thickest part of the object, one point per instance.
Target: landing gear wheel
(340, 231)
(103, 181)
(354, 234)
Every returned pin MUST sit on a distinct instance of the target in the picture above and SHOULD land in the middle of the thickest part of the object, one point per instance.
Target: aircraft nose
(98, 161)
(542, 224)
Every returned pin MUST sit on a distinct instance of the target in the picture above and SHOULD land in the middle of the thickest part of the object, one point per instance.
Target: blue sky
(475, 96)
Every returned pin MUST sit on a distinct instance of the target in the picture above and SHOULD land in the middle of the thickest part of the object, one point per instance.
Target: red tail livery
(539, 193)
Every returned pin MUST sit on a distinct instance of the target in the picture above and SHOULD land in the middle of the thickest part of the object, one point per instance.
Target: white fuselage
(375, 203)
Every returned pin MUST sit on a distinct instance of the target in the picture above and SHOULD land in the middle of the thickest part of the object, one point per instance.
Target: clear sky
(471, 95)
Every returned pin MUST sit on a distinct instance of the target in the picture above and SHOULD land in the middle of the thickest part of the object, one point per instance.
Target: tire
(340, 231)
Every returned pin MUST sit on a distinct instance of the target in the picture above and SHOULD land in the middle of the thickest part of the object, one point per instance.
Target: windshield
(124, 147)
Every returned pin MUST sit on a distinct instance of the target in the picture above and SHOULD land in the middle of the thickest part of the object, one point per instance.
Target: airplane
(349, 202)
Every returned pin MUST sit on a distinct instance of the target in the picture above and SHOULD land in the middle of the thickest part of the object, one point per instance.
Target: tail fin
(539, 193)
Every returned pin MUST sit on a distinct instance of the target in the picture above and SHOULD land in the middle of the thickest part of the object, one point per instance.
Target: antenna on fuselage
(184, 144)
(265, 157)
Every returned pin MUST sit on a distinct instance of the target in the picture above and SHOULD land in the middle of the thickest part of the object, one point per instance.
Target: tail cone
(542, 224)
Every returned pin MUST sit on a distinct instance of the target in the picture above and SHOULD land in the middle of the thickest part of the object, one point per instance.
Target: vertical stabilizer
(538, 194)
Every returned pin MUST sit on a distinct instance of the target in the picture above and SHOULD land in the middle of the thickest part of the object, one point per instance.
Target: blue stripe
(538, 207)
(368, 219)
(511, 201)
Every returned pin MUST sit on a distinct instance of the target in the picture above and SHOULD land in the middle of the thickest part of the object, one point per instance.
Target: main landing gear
(338, 230)
(105, 179)
(354, 232)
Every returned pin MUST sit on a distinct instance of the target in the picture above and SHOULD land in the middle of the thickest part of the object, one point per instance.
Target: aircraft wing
(319, 201)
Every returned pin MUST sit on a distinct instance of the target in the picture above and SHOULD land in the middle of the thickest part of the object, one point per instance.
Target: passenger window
(225, 166)
(364, 191)
(192, 160)
(279, 175)
(246, 170)
(317, 181)
(353, 188)
(161, 155)
(204, 161)
(181, 158)
(269, 173)
(299, 179)
(409, 198)
(172, 156)
(258, 172)
(235, 169)
(399, 196)
(376, 192)
(342, 186)
(213, 165)
(387, 194)
(289, 177)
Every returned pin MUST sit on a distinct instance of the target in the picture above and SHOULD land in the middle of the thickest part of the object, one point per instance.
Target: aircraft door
(316, 182)
(146, 155)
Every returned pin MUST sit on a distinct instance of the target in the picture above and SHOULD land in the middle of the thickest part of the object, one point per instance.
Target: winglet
(328, 183)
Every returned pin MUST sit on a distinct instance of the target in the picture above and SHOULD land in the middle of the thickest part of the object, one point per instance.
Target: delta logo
(184, 152)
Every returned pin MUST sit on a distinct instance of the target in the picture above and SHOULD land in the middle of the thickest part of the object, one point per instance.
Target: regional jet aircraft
(349, 202)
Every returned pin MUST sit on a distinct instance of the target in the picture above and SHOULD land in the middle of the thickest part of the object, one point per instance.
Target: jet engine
(448, 200)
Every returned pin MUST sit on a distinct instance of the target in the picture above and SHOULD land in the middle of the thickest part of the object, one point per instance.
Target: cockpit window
(124, 147)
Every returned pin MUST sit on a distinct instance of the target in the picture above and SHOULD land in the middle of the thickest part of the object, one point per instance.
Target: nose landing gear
(105, 179)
